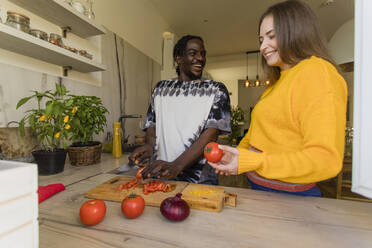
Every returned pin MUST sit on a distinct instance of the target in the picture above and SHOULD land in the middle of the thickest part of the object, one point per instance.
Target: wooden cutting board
(207, 197)
(198, 196)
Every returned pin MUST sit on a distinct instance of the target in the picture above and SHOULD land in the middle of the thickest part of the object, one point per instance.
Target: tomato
(212, 153)
(92, 212)
(139, 176)
(133, 206)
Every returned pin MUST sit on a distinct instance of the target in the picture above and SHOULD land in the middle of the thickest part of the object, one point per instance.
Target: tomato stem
(132, 195)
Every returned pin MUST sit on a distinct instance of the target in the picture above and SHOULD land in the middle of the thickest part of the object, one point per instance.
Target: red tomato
(92, 212)
(212, 153)
(139, 176)
(133, 206)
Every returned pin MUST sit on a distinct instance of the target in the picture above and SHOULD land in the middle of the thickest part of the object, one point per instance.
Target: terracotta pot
(49, 163)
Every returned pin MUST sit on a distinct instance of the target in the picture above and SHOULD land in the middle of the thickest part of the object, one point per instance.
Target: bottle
(107, 147)
(89, 12)
(116, 143)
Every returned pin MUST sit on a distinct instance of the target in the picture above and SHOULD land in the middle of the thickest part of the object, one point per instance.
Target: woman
(296, 135)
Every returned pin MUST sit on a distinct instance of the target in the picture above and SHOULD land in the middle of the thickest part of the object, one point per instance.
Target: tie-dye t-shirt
(180, 112)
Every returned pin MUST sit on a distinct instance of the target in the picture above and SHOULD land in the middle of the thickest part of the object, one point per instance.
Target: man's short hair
(180, 47)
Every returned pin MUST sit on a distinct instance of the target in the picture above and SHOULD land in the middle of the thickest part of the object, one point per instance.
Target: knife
(153, 178)
(127, 167)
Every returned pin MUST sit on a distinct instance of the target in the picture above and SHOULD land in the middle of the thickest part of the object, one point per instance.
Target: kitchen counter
(260, 219)
(73, 174)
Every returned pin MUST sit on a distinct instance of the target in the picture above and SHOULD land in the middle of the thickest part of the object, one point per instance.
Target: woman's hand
(228, 165)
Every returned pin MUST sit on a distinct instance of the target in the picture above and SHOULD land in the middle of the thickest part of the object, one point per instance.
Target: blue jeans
(314, 191)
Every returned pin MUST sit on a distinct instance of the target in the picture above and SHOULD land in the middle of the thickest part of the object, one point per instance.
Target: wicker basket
(85, 155)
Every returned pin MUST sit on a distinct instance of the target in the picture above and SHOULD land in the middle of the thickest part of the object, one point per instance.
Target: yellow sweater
(299, 124)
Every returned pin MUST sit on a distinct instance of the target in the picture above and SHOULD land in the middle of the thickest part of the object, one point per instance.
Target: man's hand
(161, 168)
(141, 154)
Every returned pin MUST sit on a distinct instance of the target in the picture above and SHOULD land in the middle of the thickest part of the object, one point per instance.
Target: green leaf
(23, 101)
(59, 90)
(21, 127)
(49, 108)
(208, 149)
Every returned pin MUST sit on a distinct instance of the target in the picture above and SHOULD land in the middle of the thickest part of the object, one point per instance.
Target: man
(185, 114)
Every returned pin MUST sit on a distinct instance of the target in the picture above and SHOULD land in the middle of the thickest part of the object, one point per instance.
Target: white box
(18, 205)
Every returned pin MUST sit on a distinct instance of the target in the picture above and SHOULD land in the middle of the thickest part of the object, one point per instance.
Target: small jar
(18, 21)
(56, 39)
(39, 34)
(78, 6)
(85, 54)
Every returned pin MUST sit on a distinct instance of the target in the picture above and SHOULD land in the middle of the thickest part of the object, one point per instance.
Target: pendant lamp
(257, 82)
(247, 83)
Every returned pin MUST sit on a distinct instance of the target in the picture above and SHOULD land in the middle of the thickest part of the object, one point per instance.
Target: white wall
(168, 70)
(137, 21)
(341, 45)
(231, 68)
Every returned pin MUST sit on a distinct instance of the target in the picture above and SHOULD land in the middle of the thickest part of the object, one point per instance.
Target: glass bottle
(107, 147)
(89, 12)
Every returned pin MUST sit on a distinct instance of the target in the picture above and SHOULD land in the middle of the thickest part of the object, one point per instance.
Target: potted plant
(90, 119)
(237, 121)
(50, 122)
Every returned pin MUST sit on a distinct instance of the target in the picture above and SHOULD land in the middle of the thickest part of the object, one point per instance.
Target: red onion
(175, 208)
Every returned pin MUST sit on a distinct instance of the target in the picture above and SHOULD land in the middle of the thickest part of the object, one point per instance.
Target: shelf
(62, 14)
(19, 42)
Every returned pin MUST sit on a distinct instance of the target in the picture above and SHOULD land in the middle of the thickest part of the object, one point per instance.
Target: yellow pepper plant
(51, 120)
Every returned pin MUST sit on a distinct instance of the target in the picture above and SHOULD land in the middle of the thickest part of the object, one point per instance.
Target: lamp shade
(341, 45)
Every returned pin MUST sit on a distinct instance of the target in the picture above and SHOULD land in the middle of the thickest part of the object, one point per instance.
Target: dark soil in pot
(90, 143)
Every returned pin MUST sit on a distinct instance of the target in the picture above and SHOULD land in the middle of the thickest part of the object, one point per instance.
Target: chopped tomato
(128, 185)
(139, 176)
(154, 186)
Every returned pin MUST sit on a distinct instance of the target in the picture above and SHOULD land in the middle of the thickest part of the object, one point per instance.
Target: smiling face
(269, 44)
(192, 63)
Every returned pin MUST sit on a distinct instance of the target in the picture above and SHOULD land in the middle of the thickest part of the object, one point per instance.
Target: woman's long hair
(298, 35)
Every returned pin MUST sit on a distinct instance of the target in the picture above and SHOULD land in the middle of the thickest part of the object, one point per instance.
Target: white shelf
(19, 42)
(62, 14)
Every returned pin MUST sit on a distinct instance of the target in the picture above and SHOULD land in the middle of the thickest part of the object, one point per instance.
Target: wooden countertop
(261, 219)
(73, 174)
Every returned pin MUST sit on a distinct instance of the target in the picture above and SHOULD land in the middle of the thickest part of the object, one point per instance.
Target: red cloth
(47, 191)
